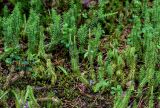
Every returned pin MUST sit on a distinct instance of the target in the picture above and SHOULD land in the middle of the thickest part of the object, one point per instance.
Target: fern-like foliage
(156, 14)
(93, 45)
(151, 98)
(156, 22)
(69, 37)
(101, 85)
(0, 27)
(55, 29)
(137, 5)
(149, 44)
(32, 30)
(7, 32)
(41, 47)
(69, 27)
(98, 14)
(82, 37)
(101, 11)
(101, 70)
(109, 69)
(36, 5)
(95, 41)
(5, 11)
(135, 36)
(148, 77)
(115, 64)
(11, 28)
(122, 101)
(131, 61)
(17, 20)
(50, 72)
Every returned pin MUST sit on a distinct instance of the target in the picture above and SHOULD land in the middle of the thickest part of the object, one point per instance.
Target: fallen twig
(53, 99)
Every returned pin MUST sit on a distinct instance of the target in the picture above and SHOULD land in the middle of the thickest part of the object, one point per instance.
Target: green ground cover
(79, 54)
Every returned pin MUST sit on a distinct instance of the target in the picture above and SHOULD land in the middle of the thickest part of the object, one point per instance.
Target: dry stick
(54, 99)
(41, 88)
